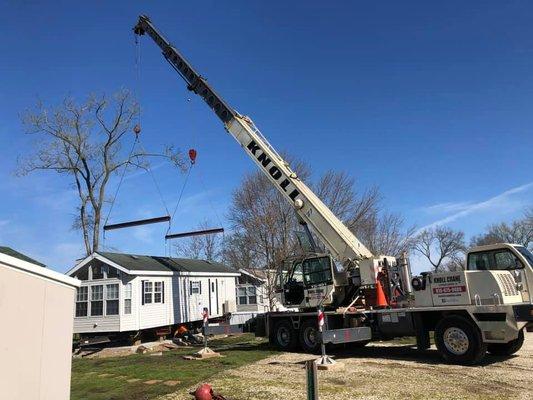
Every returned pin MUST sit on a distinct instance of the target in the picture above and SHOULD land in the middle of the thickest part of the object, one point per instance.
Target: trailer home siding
(152, 292)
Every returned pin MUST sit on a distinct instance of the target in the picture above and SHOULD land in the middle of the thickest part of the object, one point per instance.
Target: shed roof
(13, 253)
(137, 262)
(9, 261)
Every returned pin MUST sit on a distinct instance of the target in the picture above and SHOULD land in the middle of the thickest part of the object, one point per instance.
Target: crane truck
(367, 297)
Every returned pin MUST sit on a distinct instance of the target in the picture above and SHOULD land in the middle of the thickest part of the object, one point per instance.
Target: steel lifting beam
(129, 224)
(194, 233)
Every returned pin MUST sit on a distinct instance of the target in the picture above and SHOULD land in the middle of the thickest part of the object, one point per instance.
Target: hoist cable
(204, 187)
(181, 193)
(138, 76)
(120, 181)
(155, 181)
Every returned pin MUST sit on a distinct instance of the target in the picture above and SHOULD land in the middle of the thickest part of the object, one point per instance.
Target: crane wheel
(459, 341)
(507, 349)
(285, 337)
(310, 336)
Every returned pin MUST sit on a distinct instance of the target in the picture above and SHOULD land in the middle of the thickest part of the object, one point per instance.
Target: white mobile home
(36, 306)
(252, 293)
(129, 293)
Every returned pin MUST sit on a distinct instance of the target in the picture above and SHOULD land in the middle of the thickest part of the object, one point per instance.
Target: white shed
(36, 309)
(130, 293)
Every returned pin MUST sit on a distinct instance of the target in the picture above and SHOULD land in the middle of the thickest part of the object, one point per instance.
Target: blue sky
(431, 101)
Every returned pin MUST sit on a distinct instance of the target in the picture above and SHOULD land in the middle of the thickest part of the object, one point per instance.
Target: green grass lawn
(90, 382)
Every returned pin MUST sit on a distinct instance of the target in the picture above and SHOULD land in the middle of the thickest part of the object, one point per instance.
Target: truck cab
(516, 259)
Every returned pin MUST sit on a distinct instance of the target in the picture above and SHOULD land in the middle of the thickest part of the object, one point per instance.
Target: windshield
(317, 270)
(526, 253)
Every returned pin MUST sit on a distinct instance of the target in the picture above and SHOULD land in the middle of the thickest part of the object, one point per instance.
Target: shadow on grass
(395, 353)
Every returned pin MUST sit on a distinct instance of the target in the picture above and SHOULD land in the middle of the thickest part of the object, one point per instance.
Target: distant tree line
(88, 142)
(445, 248)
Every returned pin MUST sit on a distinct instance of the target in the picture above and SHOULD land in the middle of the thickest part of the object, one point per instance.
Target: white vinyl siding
(146, 301)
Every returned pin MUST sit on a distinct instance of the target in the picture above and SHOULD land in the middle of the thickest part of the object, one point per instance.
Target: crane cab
(308, 281)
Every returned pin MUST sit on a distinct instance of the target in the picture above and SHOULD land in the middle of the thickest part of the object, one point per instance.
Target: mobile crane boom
(337, 238)
(485, 307)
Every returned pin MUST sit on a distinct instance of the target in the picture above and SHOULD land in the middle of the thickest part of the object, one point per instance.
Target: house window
(82, 297)
(252, 295)
(111, 306)
(246, 295)
(242, 298)
(98, 271)
(127, 299)
(147, 292)
(113, 272)
(83, 274)
(97, 303)
(196, 287)
(158, 292)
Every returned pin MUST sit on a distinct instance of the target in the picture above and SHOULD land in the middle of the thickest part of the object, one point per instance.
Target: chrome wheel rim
(284, 336)
(456, 341)
(310, 337)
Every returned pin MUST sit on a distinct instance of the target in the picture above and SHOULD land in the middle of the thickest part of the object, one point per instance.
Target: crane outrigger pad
(194, 233)
(129, 224)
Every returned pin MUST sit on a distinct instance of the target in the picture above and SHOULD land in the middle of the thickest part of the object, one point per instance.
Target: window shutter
(142, 296)
(162, 292)
(190, 288)
(200, 286)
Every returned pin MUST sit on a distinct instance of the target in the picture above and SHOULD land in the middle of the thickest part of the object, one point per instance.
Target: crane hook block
(192, 155)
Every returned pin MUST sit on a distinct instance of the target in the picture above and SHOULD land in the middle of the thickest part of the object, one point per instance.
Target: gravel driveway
(382, 372)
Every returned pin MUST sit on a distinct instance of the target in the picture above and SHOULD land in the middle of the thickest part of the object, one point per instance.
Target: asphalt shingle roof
(13, 253)
(136, 262)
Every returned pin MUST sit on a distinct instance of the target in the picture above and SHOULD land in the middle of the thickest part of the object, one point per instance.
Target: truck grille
(507, 284)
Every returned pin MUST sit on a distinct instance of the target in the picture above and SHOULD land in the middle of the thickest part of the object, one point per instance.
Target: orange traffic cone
(381, 300)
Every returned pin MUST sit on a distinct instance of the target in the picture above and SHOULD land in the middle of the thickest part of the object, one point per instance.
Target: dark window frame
(492, 260)
(326, 270)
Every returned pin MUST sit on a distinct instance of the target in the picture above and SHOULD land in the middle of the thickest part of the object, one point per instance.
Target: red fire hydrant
(203, 392)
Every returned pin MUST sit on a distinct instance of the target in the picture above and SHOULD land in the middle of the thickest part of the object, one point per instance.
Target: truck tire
(285, 338)
(459, 341)
(507, 349)
(310, 336)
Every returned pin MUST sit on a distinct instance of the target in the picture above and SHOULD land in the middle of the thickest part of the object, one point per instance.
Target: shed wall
(35, 352)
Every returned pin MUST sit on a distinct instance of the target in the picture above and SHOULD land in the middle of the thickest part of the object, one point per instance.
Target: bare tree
(519, 231)
(207, 247)
(385, 234)
(439, 245)
(264, 223)
(263, 219)
(85, 142)
(455, 263)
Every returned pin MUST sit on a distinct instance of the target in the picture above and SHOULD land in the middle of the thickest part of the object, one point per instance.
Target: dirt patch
(381, 372)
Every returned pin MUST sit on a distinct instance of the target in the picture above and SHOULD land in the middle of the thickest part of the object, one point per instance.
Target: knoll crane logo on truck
(448, 285)
(273, 171)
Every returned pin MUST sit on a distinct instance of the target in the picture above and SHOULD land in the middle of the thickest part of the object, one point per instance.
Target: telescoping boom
(338, 239)
(484, 308)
